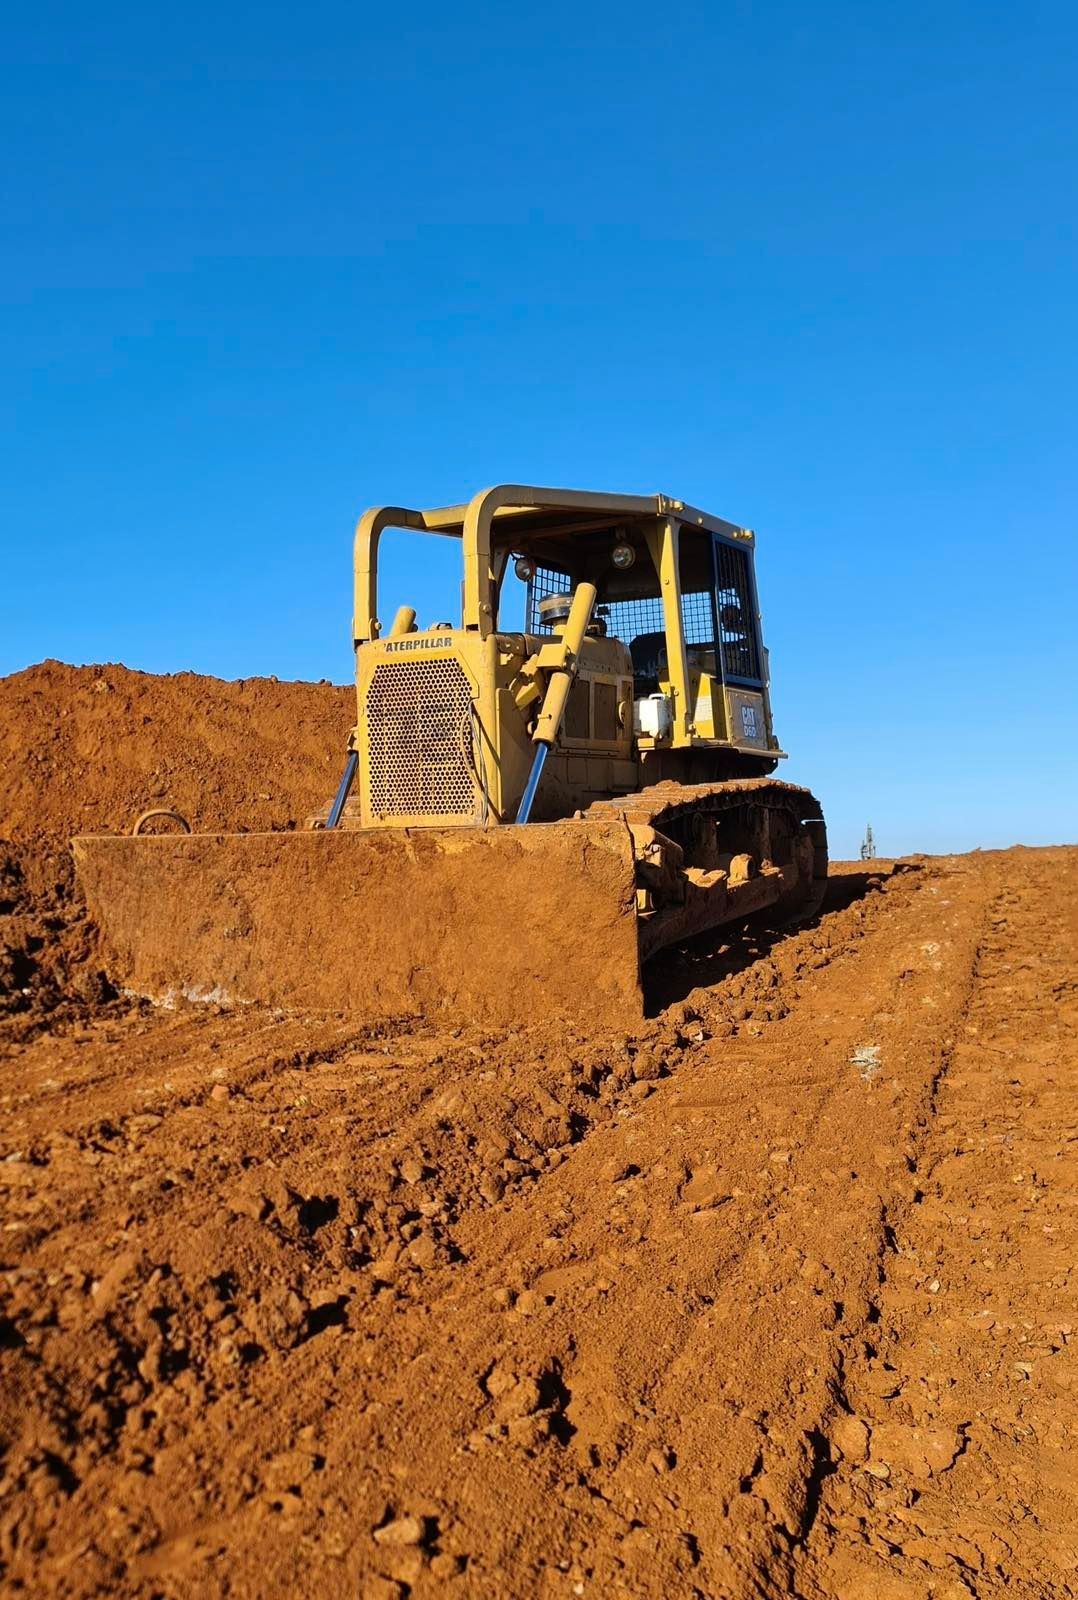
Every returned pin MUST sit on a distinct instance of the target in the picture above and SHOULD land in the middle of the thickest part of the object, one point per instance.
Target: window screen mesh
(737, 624)
(625, 619)
(547, 581)
(633, 619)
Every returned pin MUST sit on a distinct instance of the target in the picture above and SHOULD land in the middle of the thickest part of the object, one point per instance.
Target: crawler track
(708, 854)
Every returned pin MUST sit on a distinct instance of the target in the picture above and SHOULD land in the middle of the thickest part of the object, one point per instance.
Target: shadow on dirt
(711, 957)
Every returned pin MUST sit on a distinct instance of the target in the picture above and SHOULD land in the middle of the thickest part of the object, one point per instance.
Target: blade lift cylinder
(560, 659)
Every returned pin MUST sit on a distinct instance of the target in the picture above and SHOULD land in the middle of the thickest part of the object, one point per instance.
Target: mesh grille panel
(419, 727)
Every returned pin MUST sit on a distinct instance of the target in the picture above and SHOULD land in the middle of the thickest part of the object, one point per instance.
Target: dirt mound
(87, 749)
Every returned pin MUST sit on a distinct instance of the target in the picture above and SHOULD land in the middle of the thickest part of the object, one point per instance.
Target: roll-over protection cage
(692, 591)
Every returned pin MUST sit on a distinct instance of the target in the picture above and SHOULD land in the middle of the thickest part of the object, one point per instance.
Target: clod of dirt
(922, 1452)
(849, 1435)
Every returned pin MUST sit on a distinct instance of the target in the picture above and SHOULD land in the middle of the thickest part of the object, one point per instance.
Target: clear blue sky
(811, 267)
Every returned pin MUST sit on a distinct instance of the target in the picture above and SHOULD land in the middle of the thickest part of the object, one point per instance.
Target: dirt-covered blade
(510, 925)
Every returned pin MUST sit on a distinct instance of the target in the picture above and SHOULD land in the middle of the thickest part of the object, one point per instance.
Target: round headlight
(623, 556)
(524, 567)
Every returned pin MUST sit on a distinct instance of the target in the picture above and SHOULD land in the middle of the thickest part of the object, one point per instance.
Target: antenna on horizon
(868, 845)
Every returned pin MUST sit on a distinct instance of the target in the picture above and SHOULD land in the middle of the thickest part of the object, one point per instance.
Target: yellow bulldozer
(535, 800)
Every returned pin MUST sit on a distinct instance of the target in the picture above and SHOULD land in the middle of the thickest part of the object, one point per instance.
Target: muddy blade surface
(514, 925)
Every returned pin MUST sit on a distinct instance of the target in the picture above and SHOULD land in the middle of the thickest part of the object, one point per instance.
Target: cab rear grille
(419, 728)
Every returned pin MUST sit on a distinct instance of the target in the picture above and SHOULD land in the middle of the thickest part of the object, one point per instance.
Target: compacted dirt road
(774, 1295)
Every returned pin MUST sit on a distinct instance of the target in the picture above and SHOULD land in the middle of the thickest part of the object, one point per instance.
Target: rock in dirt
(646, 1066)
(407, 1530)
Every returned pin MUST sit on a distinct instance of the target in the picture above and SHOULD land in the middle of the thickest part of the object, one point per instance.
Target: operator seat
(648, 652)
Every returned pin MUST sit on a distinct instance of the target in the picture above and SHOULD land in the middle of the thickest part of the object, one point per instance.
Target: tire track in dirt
(563, 1314)
(957, 1476)
(771, 1465)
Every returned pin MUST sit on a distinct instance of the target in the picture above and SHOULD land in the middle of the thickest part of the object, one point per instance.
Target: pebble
(401, 1531)
(615, 1169)
(220, 1092)
(412, 1171)
(646, 1066)
(444, 1565)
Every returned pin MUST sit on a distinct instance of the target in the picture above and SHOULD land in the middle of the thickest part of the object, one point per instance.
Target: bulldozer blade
(502, 926)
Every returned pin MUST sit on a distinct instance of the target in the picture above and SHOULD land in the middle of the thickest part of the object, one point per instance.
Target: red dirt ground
(774, 1295)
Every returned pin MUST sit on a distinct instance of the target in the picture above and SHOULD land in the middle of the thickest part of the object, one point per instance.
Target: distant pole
(868, 845)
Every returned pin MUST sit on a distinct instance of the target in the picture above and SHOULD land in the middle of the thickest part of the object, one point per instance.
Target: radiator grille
(419, 728)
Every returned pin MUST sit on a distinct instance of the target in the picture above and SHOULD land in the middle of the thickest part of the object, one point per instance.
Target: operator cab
(718, 602)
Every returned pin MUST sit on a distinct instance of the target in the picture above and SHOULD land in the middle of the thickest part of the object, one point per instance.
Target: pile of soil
(88, 749)
(771, 1294)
